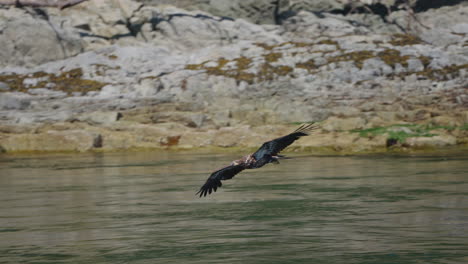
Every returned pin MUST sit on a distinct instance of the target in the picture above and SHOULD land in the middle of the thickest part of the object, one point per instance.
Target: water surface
(142, 208)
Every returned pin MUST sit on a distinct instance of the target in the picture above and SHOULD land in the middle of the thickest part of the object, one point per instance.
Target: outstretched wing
(214, 181)
(274, 146)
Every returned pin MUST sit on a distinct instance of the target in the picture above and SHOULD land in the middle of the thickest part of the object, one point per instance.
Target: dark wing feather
(214, 181)
(274, 146)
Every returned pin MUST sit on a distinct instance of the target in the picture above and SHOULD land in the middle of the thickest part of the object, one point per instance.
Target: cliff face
(122, 74)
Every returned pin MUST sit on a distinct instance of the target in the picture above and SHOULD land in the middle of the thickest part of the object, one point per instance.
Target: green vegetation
(397, 132)
(400, 132)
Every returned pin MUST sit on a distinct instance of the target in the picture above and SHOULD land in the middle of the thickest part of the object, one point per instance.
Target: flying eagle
(267, 153)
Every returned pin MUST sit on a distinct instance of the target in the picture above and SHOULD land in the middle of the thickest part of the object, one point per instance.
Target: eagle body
(267, 153)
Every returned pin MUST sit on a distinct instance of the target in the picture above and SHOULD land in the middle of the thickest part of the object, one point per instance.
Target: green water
(142, 208)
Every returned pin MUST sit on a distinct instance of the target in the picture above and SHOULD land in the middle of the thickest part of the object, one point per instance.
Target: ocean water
(142, 208)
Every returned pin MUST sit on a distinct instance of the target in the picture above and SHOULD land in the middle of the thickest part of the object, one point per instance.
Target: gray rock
(434, 141)
(148, 87)
(415, 65)
(314, 5)
(440, 23)
(183, 29)
(309, 24)
(4, 87)
(197, 120)
(310, 68)
(14, 101)
(37, 42)
(377, 66)
(255, 11)
(221, 118)
(99, 118)
(345, 111)
(47, 93)
(340, 124)
(69, 140)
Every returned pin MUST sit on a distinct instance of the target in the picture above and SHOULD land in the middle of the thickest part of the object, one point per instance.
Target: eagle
(267, 153)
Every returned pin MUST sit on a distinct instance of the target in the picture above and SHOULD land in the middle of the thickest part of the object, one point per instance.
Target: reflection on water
(142, 208)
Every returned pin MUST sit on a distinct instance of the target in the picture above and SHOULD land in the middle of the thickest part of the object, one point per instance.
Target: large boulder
(255, 11)
(30, 39)
(70, 140)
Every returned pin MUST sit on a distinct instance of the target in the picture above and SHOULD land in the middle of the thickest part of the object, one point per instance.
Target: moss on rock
(266, 72)
(358, 57)
(392, 57)
(69, 82)
(404, 40)
(308, 65)
(443, 74)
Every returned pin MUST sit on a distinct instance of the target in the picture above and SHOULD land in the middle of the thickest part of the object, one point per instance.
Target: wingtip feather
(306, 128)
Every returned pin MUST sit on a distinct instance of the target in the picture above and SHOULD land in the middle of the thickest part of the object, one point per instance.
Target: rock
(464, 117)
(196, 120)
(4, 87)
(370, 106)
(14, 101)
(440, 23)
(446, 121)
(159, 65)
(258, 11)
(388, 117)
(306, 23)
(255, 11)
(43, 92)
(317, 6)
(99, 118)
(50, 41)
(343, 124)
(377, 67)
(415, 65)
(190, 139)
(148, 87)
(414, 115)
(345, 111)
(17, 129)
(435, 141)
(70, 140)
(187, 30)
(222, 118)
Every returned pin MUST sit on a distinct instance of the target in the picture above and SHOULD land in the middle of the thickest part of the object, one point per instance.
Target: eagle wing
(273, 147)
(214, 181)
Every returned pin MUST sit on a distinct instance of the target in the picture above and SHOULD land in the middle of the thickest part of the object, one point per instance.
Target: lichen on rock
(68, 81)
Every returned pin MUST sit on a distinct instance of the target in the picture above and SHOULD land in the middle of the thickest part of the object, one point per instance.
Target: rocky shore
(123, 75)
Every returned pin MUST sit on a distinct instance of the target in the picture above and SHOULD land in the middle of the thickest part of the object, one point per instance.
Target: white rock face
(309, 68)
(28, 40)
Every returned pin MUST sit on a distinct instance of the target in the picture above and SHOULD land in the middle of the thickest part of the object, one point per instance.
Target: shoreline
(398, 152)
(71, 138)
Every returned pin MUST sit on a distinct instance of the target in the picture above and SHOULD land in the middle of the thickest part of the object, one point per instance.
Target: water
(142, 208)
